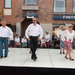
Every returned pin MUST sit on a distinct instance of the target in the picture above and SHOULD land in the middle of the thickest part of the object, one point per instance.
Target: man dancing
(5, 34)
(34, 33)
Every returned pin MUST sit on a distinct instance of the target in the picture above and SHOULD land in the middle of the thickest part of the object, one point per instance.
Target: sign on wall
(30, 14)
(64, 17)
(7, 11)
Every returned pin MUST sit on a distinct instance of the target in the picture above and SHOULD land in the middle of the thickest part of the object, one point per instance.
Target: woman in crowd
(43, 42)
(47, 39)
(24, 42)
(62, 39)
(69, 34)
(17, 41)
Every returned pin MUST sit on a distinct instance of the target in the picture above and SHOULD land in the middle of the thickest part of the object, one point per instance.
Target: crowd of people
(25, 43)
(34, 38)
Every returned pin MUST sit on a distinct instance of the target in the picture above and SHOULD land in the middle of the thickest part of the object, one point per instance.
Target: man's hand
(29, 39)
(38, 39)
(8, 38)
(65, 38)
(18, 42)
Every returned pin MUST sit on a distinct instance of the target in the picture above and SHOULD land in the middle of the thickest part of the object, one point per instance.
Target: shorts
(62, 43)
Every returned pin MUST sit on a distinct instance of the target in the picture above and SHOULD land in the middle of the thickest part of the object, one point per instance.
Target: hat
(70, 25)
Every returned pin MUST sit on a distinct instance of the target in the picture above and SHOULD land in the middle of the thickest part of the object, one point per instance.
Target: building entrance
(24, 25)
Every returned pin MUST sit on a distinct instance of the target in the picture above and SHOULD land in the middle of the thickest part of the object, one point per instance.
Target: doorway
(24, 25)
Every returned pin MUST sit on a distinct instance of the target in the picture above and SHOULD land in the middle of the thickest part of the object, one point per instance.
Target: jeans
(5, 41)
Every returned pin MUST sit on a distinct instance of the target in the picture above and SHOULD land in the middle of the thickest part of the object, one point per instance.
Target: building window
(7, 3)
(31, 2)
(59, 6)
(74, 6)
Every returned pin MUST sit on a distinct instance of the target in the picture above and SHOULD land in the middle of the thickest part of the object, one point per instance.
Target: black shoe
(66, 57)
(5, 56)
(34, 58)
(31, 57)
(63, 53)
(1, 56)
(71, 59)
(60, 52)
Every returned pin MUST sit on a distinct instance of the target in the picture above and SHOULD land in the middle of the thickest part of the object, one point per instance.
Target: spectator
(43, 42)
(47, 38)
(17, 41)
(24, 42)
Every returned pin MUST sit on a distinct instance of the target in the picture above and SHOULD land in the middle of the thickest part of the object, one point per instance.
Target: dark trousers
(33, 45)
(5, 41)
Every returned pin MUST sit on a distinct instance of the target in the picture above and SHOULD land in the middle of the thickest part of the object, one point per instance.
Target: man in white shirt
(34, 33)
(5, 34)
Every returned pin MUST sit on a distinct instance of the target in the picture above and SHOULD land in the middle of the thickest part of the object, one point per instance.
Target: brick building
(51, 14)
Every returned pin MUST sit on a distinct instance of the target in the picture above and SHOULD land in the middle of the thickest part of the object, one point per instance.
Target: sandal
(66, 57)
(71, 59)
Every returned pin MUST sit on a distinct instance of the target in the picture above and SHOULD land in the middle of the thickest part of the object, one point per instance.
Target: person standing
(5, 34)
(69, 34)
(35, 33)
(62, 39)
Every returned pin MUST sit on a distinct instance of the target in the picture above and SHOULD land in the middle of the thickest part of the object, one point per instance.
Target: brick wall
(45, 12)
(10, 19)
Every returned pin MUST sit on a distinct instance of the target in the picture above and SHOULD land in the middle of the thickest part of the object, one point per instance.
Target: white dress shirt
(47, 37)
(24, 40)
(34, 31)
(17, 39)
(6, 32)
(62, 35)
(69, 35)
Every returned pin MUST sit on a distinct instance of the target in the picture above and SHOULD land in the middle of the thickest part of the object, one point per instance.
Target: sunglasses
(33, 20)
(70, 26)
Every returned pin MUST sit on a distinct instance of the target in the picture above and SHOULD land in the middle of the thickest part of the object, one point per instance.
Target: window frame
(32, 5)
(72, 8)
(7, 8)
(59, 12)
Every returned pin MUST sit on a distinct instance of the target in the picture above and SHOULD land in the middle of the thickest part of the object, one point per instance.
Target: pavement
(47, 58)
